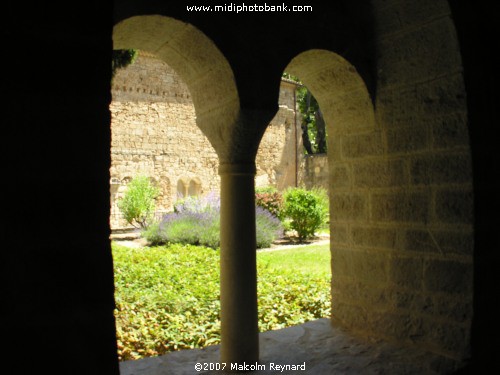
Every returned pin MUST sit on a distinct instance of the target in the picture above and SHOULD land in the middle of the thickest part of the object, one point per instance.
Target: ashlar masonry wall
(402, 200)
(154, 133)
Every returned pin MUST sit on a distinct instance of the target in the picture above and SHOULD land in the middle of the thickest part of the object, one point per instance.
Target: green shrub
(307, 210)
(138, 203)
(153, 235)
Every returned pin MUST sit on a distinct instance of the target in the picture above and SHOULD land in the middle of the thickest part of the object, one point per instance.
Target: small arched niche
(194, 187)
(182, 188)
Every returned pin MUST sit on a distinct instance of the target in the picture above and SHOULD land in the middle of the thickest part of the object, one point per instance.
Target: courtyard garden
(167, 293)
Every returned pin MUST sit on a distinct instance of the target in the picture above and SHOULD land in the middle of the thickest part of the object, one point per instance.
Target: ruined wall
(154, 133)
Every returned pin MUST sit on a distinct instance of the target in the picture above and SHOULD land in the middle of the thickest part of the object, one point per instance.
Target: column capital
(235, 169)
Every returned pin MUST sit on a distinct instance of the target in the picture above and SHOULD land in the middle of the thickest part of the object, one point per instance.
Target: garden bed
(167, 298)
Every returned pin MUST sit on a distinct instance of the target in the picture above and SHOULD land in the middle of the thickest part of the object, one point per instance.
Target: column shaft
(239, 324)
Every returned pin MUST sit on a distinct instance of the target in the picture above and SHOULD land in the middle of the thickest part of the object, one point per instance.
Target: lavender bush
(196, 221)
(269, 227)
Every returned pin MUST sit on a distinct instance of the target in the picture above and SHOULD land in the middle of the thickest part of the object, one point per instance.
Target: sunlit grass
(313, 259)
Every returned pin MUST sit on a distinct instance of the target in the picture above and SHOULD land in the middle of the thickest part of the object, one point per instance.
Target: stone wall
(154, 133)
(315, 171)
(402, 200)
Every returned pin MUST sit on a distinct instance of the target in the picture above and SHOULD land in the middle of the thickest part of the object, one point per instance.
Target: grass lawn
(313, 259)
(167, 298)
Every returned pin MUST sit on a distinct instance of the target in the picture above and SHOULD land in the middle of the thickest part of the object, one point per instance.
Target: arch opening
(346, 108)
(209, 93)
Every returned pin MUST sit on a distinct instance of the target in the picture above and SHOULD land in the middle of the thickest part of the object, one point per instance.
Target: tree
(138, 203)
(122, 58)
(313, 123)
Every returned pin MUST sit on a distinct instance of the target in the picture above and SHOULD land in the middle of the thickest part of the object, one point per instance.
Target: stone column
(238, 270)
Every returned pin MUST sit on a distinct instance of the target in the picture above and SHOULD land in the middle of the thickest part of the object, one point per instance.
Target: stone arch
(340, 90)
(400, 205)
(347, 108)
(198, 61)
(195, 187)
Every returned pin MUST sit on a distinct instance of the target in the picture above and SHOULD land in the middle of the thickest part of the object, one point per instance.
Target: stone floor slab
(314, 348)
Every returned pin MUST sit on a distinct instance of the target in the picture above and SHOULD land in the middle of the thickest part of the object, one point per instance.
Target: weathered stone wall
(279, 149)
(154, 133)
(315, 171)
(402, 201)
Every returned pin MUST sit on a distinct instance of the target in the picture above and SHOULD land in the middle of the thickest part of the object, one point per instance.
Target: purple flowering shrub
(196, 221)
(269, 227)
(196, 204)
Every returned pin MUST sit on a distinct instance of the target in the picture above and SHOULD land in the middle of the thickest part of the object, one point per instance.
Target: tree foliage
(312, 122)
(122, 58)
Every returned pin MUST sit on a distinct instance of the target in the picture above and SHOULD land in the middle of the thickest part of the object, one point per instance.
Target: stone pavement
(316, 346)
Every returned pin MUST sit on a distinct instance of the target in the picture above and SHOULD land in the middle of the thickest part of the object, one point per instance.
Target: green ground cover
(167, 297)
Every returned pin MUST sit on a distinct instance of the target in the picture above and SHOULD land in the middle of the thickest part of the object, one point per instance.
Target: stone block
(440, 169)
(406, 272)
(338, 234)
(421, 105)
(405, 139)
(349, 315)
(364, 266)
(387, 19)
(362, 145)
(361, 293)
(334, 146)
(454, 206)
(395, 16)
(350, 110)
(341, 260)
(432, 305)
(397, 326)
(348, 207)
(425, 11)
(374, 237)
(420, 54)
(448, 276)
(408, 300)
(379, 174)
(439, 241)
(339, 177)
(401, 207)
(450, 131)
(448, 337)
(459, 310)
